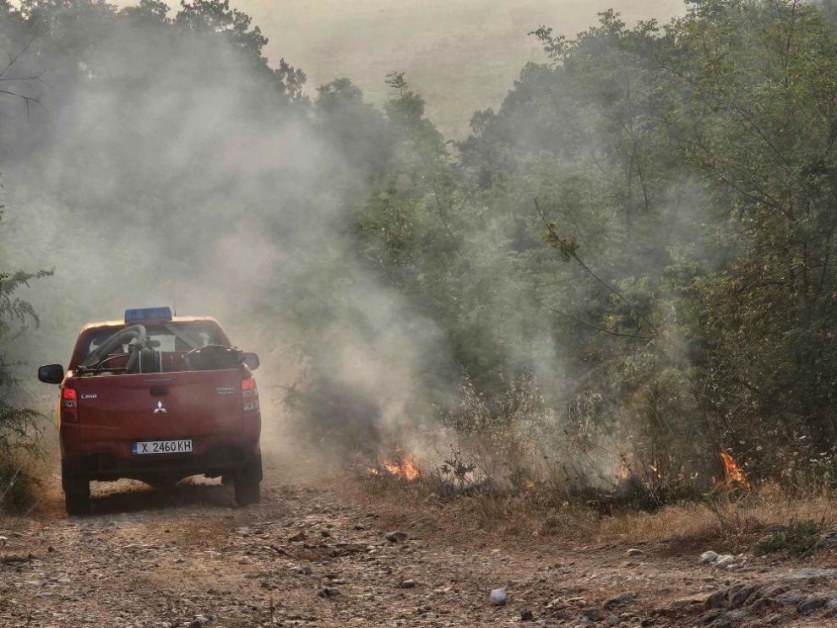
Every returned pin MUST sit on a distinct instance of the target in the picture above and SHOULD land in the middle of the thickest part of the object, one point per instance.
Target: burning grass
(732, 472)
(402, 466)
(460, 497)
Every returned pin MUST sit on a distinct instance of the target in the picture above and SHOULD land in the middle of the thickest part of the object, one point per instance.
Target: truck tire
(77, 496)
(247, 485)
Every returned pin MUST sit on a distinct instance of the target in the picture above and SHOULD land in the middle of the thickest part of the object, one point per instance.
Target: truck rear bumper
(106, 466)
(214, 454)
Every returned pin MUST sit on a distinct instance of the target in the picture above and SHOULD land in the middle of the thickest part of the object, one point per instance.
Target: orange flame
(404, 467)
(732, 472)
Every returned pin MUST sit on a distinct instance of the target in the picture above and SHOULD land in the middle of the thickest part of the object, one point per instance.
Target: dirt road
(315, 556)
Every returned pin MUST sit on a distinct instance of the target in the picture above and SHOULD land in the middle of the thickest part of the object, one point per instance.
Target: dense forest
(627, 268)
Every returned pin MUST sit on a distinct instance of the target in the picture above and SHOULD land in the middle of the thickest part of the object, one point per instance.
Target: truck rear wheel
(77, 496)
(247, 485)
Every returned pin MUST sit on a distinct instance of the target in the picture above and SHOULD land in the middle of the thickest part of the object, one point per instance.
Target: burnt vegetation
(625, 270)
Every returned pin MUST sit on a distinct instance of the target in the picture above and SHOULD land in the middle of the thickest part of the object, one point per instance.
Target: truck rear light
(249, 395)
(69, 404)
(69, 398)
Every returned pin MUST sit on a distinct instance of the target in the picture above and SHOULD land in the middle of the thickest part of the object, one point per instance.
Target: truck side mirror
(52, 373)
(251, 360)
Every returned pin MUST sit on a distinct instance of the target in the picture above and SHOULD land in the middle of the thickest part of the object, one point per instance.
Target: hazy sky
(462, 55)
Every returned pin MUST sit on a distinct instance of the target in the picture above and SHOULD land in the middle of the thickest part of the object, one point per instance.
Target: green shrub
(797, 538)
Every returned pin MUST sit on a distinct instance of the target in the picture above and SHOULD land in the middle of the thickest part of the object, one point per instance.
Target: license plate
(163, 447)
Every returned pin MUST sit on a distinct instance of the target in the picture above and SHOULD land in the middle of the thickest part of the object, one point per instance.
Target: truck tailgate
(159, 405)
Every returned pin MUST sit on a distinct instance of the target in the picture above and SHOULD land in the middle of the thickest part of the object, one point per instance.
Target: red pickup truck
(157, 398)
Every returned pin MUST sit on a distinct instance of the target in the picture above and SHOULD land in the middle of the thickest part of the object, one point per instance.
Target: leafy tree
(356, 129)
(149, 11)
(216, 17)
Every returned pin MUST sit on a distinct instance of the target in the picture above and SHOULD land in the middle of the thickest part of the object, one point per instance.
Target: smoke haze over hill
(462, 55)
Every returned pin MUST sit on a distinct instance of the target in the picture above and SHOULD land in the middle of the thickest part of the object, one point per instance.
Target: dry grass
(21, 483)
(733, 520)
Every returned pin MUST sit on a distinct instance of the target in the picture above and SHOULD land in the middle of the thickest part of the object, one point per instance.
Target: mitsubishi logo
(160, 409)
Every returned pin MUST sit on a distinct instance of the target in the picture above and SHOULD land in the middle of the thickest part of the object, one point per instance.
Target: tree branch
(26, 99)
(13, 58)
(570, 252)
(598, 328)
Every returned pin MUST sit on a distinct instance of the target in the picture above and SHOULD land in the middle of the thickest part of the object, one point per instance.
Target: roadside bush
(518, 445)
(797, 538)
(19, 431)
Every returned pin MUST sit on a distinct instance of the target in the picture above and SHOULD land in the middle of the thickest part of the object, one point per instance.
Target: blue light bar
(148, 314)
